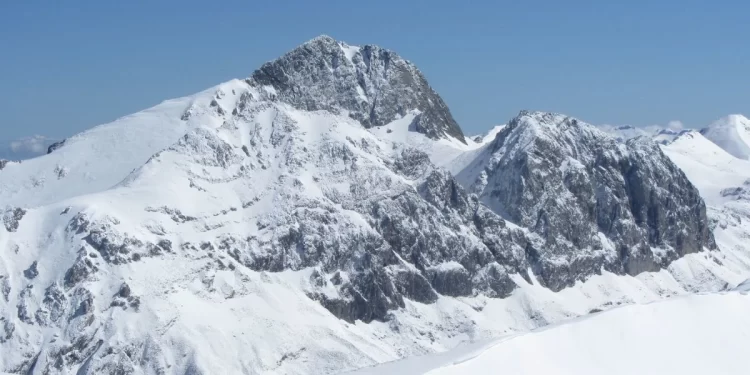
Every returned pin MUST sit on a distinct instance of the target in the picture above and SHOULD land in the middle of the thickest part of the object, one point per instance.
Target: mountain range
(328, 213)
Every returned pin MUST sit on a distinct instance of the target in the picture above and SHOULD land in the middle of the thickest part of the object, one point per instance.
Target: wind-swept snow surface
(694, 335)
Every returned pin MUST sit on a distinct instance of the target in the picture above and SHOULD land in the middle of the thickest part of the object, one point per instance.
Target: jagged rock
(22, 308)
(54, 306)
(112, 247)
(174, 214)
(31, 272)
(3, 163)
(451, 279)
(12, 218)
(80, 270)
(373, 84)
(412, 285)
(55, 146)
(5, 287)
(367, 297)
(8, 329)
(739, 192)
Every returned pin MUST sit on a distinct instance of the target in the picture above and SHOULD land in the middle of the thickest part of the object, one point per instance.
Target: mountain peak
(732, 133)
(322, 38)
(573, 185)
(370, 84)
(540, 117)
(551, 126)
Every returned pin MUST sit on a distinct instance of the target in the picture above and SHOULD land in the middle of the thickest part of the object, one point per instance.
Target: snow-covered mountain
(731, 133)
(660, 134)
(307, 220)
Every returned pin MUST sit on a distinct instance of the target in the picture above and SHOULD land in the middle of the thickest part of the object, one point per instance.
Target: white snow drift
(693, 335)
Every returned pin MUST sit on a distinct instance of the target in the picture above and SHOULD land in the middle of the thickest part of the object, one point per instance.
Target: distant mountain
(488, 136)
(731, 133)
(660, 134)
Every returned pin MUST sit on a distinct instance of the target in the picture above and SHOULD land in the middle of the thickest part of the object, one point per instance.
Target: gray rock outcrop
(597, 203)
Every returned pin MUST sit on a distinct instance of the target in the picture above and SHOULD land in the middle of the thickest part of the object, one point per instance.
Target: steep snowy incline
(488, 137)
(731, 133)
(700, 334)
(97, 159)
(445, 152)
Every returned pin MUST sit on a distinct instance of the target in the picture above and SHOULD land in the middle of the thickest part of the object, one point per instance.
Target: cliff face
(596, 202)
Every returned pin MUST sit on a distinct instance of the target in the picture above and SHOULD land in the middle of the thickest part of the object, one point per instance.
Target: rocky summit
(266, 226)
(596, 202)
(370, 84)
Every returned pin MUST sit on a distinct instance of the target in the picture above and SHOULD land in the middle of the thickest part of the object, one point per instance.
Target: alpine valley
(328, 214)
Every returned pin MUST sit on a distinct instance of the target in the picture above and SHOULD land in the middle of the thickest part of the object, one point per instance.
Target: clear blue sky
(66, 66)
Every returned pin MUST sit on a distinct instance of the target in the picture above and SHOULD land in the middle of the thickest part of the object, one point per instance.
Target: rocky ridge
(597, 203)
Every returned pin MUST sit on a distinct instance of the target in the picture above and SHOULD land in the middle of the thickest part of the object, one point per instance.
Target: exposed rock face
(3, 163)
(55, 146)
(374, 85)
(31, 272)
(411, 231)
(596, 202)
(12, 218)
(739, 192)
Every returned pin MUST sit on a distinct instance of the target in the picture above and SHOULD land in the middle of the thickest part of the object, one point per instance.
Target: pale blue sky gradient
(66, 66)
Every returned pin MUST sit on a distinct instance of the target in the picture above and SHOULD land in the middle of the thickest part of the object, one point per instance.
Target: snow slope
(442, 152)
(99, 158)
(731, 133)
(489, 136)
(709, 167)
(699, 334)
